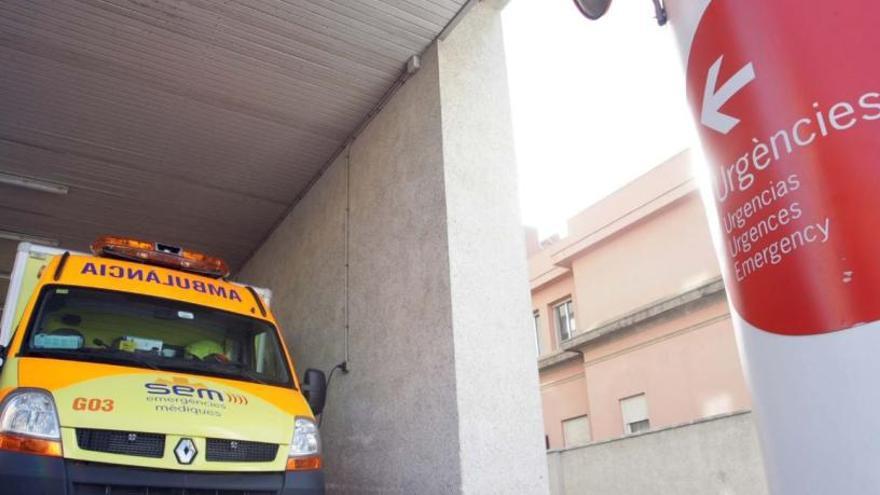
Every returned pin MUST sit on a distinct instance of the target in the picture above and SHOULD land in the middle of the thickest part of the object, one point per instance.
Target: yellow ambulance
(139, 369)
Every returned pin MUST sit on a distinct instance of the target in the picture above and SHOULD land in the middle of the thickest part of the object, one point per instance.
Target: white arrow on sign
(711, 116)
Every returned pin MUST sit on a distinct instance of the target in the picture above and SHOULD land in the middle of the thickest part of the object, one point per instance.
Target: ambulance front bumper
(25, 474)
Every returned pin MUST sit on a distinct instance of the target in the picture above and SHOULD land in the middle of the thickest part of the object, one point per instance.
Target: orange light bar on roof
(154, 253)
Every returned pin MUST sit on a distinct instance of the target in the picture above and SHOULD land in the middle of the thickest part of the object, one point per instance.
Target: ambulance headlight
(306, 438)
(31, 413)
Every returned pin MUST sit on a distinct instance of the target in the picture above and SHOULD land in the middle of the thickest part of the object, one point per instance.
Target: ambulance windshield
(135, 330)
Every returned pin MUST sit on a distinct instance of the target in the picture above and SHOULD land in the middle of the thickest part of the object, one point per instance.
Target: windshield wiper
(104, 355)
(222, 370)
(232, 370)
(251, 374)
(137, 359)
(241, 372)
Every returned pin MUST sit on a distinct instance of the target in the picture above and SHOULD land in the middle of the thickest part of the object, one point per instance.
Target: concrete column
(443, 391)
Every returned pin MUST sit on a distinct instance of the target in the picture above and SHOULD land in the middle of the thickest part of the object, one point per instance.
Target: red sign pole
(786, 94)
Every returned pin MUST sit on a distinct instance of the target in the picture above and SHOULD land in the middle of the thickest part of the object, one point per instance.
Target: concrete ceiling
(193, 122)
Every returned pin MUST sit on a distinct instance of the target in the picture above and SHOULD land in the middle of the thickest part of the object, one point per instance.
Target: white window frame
(536, 321)
(569, 319)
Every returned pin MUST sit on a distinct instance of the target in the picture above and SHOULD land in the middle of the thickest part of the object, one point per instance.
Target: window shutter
(633, 409)
(576, 431)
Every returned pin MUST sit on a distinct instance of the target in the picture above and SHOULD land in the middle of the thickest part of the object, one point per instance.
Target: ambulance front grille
(121, 442)
(219, 450)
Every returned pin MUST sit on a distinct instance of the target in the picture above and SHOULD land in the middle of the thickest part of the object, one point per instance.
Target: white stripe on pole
(816, 401)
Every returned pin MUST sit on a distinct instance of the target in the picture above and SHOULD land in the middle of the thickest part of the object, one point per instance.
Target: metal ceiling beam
(33, 184)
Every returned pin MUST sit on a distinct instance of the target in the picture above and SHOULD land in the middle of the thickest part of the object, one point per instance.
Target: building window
(635, 414)
(536, 320)
(576, 431)
(565, 320)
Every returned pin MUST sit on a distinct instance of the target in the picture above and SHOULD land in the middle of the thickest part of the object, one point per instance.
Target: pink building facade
(632, 326)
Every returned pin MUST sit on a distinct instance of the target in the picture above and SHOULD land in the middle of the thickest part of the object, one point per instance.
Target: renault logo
(185, 451)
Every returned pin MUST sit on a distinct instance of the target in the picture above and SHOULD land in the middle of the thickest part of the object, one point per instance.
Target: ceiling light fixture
(33, 184)
(19, 237)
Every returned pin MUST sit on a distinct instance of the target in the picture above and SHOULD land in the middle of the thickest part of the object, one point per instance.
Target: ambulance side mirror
(314, 388)
(592, 9)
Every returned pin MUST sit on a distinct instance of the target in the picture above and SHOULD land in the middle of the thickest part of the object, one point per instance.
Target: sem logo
(182, 387)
